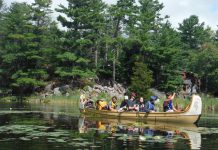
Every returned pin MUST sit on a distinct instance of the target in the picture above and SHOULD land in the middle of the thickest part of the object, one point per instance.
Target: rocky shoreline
(117, 90)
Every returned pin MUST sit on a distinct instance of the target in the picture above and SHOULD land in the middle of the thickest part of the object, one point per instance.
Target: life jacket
(168, 105)
(101, 105)
(150, 105)
(113, 105)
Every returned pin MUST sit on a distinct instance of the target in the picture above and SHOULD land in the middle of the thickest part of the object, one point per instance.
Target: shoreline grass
(210, 104)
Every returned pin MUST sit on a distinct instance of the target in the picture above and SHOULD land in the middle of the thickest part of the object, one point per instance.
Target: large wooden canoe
(190, 115)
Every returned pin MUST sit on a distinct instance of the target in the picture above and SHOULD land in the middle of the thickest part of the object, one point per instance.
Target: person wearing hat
(83, 101)
(149, 106)
(86, 102)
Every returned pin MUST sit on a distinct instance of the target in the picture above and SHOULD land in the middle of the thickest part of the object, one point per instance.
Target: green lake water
(39, 126)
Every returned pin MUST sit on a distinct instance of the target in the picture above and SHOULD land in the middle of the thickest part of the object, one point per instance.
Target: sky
(178, 10)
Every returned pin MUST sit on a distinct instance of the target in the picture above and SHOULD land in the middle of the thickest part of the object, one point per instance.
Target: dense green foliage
(126, 42)
(141, 79)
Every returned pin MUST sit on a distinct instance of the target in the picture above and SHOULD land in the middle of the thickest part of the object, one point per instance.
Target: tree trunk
(96, 58)
(206, 84)
(117, 28)
(114, 67)
(106, 53)
(96, 55)
(115, 50)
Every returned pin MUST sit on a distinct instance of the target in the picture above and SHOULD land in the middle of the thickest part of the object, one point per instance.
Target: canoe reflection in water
(165, 134)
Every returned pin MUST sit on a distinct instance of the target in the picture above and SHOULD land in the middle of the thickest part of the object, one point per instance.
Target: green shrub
(141, 79)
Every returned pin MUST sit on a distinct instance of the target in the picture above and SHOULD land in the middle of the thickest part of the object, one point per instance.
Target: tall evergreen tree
(141, 79)
(16, 45)
(193, 33)
(121, 15)
(141, 44)
(165, 63)
(22, 59)
(195, 37)
(204, 64)
(41, 20)
(1, 36)
(84, 23)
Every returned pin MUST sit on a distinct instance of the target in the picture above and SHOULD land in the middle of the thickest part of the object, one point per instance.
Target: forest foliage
(127, 42)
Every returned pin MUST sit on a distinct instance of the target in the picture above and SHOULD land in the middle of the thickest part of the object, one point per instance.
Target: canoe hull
(191, 115)
(145, 117)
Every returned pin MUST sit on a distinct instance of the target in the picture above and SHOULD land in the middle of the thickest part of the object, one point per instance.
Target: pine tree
(15, 44)
(119, 21)
(84, 23)
(192, 32)
(23, 44)
(141, 79)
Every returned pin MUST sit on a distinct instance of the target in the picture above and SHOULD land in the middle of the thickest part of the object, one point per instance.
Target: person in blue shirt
(168, 103)
(149, 106)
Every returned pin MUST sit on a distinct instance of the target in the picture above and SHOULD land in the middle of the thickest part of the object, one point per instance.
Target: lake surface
(40, 126)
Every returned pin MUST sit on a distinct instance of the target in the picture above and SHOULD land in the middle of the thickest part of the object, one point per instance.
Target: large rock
(49, 88)
(97, 86)
(158, 93)
(117, 90)
(97, 91)
(65, 88)
(110, 89)
(57, 91)
(121, 88)
(89, 89)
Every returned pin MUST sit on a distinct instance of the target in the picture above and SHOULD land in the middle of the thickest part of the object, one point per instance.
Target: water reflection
(91, 133)
(169, 136)
(56, 125)
(195, 139)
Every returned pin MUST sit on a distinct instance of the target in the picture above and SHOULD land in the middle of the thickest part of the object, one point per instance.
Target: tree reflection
(140, 135)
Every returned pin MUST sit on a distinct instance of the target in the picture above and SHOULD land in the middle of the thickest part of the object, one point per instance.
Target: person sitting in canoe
(85, 102)
(131, 103)
(149, 106)
(124, 102)
(141, 104)
(101, 105)
(112, 106)
(123, 105)
(168, 103)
